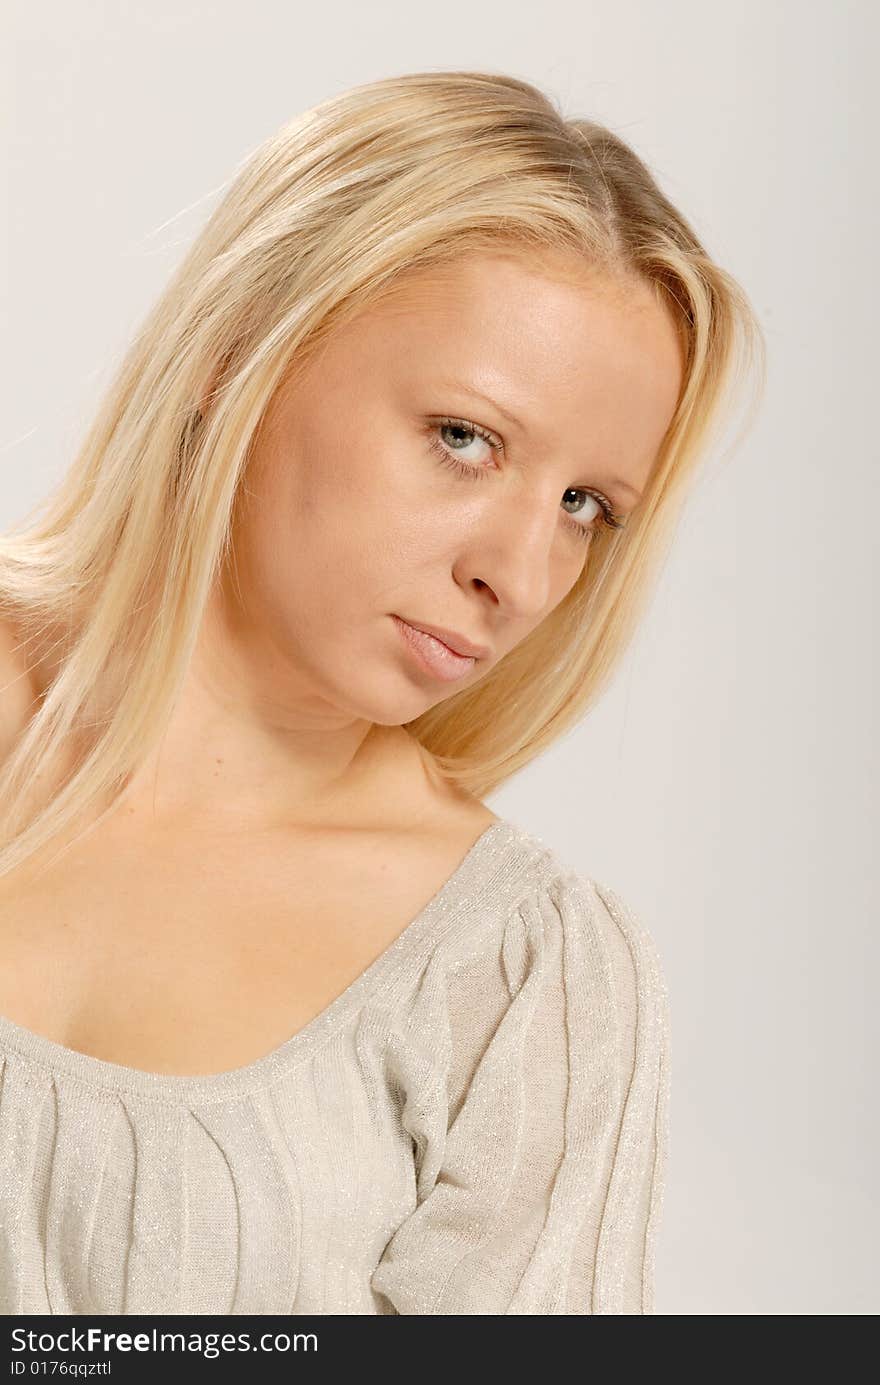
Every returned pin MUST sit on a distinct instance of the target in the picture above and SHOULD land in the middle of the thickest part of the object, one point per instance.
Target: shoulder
(520, 954)
(550, 955)
(531, 901)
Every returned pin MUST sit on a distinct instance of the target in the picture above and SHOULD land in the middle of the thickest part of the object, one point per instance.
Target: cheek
(337, 527)
(564, 577)
(389, 515)
(331, 552)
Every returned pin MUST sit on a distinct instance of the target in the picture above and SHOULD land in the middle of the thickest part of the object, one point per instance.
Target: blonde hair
(323, 219)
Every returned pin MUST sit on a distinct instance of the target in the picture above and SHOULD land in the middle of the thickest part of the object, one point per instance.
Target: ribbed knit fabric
(477, 1125)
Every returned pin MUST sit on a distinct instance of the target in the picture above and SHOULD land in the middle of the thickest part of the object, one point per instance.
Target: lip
(457, 643)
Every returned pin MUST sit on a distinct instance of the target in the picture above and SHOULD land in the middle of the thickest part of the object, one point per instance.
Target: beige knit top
(476, 1125)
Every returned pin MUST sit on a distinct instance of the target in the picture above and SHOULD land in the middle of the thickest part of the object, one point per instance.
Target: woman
(291, 1021)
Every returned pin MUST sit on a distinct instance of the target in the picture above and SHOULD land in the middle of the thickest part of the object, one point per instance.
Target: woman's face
(357, 518)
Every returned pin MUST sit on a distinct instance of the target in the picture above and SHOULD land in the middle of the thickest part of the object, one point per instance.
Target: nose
(520, 553)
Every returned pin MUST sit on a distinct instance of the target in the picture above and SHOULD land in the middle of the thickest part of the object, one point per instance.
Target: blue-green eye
(464, 429)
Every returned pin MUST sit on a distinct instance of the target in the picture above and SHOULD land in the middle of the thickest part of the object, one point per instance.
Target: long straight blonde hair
(111, 580)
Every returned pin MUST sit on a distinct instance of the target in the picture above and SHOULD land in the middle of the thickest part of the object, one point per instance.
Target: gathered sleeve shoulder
(541, 1175)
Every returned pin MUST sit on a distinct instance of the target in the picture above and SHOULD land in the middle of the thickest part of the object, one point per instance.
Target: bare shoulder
(453, 808)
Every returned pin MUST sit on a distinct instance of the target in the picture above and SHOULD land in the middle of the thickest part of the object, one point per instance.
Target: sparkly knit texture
(476, 1125)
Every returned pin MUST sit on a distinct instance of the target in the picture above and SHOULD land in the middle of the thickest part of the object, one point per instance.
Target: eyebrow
(615, 482)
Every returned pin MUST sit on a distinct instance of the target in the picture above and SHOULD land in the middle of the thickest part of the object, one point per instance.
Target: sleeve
(549, 1180)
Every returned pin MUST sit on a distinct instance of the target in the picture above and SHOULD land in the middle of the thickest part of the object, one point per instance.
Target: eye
(460, 437)
(453, 438)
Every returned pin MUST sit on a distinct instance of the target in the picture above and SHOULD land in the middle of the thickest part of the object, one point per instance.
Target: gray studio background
(727, 785)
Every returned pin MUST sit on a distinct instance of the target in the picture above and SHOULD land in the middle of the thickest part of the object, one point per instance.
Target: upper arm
(547, 1187)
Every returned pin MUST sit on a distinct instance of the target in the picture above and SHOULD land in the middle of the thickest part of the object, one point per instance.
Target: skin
(294, 706)
(255, 861)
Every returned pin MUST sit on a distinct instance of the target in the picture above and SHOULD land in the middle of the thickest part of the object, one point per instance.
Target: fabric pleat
(477, 1125)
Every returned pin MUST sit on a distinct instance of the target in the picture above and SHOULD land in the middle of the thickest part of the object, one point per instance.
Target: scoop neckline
(465, 886)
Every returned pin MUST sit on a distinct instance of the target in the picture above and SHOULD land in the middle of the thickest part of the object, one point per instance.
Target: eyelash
(476, 473)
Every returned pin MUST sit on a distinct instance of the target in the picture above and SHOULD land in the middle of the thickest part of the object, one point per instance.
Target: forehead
(547, 321)
(543, 291)
(540, 332)
(581, 360)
